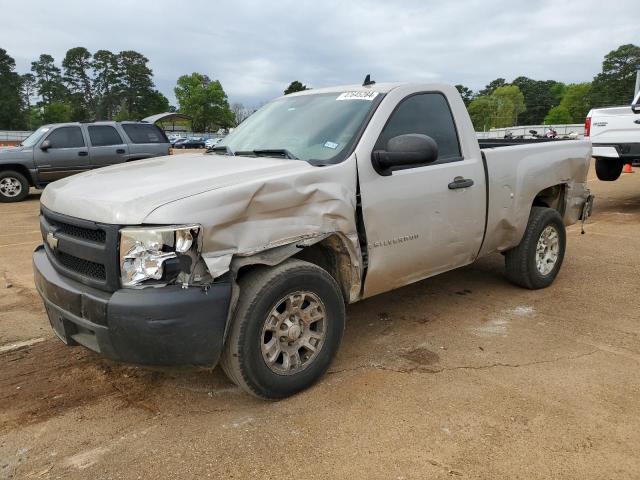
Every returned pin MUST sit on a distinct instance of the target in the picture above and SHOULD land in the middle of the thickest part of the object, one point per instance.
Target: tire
(522, 267)
(608, 169)
(263, 292)
(14, 186)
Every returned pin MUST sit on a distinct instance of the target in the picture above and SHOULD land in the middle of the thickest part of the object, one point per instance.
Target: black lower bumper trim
(626, 151)
(152, 326)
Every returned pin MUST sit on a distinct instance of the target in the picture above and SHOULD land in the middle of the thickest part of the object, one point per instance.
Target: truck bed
(516, 175)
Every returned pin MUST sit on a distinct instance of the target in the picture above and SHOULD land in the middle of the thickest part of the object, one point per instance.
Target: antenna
(368, 81)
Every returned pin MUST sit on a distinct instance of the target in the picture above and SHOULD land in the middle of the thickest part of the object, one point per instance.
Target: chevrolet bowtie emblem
(52, 241)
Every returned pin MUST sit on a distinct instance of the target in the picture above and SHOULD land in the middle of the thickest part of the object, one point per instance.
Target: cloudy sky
(256, 48)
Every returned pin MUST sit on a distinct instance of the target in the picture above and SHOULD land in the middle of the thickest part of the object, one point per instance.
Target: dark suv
(59, 150)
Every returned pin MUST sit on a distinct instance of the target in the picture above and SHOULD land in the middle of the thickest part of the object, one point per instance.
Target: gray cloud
(256, 48)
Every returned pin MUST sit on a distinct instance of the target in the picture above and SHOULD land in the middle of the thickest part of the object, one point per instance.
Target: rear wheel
(286, 331)
(536, 261)
(14, 187)
(608, 169)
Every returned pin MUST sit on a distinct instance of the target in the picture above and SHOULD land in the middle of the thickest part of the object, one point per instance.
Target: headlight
(157, 255)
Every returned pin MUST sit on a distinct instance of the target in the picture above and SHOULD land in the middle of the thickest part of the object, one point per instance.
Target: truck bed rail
(508, 142)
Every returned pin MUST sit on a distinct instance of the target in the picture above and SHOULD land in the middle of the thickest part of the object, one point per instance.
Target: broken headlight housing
(157, 256)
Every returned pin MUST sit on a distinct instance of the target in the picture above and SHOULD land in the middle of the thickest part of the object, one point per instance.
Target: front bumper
(152, 326)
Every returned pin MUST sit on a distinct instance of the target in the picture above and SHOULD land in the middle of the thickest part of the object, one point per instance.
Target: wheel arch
(552, 197)
(333, 252)
(17, 167)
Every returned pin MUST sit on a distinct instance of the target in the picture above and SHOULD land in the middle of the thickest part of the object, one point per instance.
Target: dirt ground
(462, 375)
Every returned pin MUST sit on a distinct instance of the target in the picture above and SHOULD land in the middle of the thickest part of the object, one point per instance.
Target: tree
(509, 104)
(11, 100)
(615, 84)
(577, 100)
(539, 97)
(500, 109)
(107, 85)
(558, 90)
(558, 116)
(205, 101)
(48, 81)
(465, 93)
(137, 84)
(29, 89)
(295, 86)
(56, 112)
(482, 111)
(240, 113)
(489, 89)
(77, 66)
(154, 102)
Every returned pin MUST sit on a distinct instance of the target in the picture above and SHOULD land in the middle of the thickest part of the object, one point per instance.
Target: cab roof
(384, 87)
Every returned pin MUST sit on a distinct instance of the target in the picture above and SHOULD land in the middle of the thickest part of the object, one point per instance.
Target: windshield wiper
(268, 152)
(221, 149)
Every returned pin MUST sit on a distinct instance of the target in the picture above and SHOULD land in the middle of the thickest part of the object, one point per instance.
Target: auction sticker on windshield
(357, 96)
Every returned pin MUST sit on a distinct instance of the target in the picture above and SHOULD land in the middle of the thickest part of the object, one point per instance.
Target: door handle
(120, 151)
(460, 182)
(83, 154)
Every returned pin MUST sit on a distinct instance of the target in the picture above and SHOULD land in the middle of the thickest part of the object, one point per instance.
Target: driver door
(418, 222)
(67, 155)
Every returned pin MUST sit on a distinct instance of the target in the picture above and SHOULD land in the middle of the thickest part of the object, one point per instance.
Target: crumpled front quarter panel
(253, 216)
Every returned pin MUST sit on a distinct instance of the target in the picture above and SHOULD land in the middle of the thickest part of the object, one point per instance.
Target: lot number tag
(357, 96)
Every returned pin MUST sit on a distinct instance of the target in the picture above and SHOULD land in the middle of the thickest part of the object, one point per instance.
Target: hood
(10, 150)
(126, 194)
(23, 155)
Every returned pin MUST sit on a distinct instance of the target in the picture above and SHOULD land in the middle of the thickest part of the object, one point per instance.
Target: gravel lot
(462, 375)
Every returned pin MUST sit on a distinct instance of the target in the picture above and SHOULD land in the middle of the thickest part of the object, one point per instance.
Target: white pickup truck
(248, 254)
(615, 135)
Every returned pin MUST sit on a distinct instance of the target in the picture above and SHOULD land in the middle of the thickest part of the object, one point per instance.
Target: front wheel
(14, 187)
(536, 261)
(608, 169)
(287, 328)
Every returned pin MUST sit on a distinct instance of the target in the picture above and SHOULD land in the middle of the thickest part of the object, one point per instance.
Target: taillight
(587, 127)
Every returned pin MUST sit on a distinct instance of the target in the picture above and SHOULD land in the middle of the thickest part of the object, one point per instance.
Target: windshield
(316, 127)
(32, 139)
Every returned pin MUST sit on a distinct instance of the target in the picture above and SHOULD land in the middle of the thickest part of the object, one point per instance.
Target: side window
(103, 135)
(144, 133)
(428, 114)
(66, 137)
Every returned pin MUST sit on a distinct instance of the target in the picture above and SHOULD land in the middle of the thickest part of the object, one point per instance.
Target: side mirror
(635, 108)
(46, 145)
(405, 150)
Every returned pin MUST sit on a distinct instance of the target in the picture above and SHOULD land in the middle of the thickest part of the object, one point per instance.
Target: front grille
(93, 234)
(83, 250)
(83, 267)
(98, 236)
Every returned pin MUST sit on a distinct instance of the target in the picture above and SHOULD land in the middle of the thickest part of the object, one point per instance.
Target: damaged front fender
(273, 217)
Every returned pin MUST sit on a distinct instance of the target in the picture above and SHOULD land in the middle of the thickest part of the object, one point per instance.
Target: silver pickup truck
(58, 150)
(248, 255)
